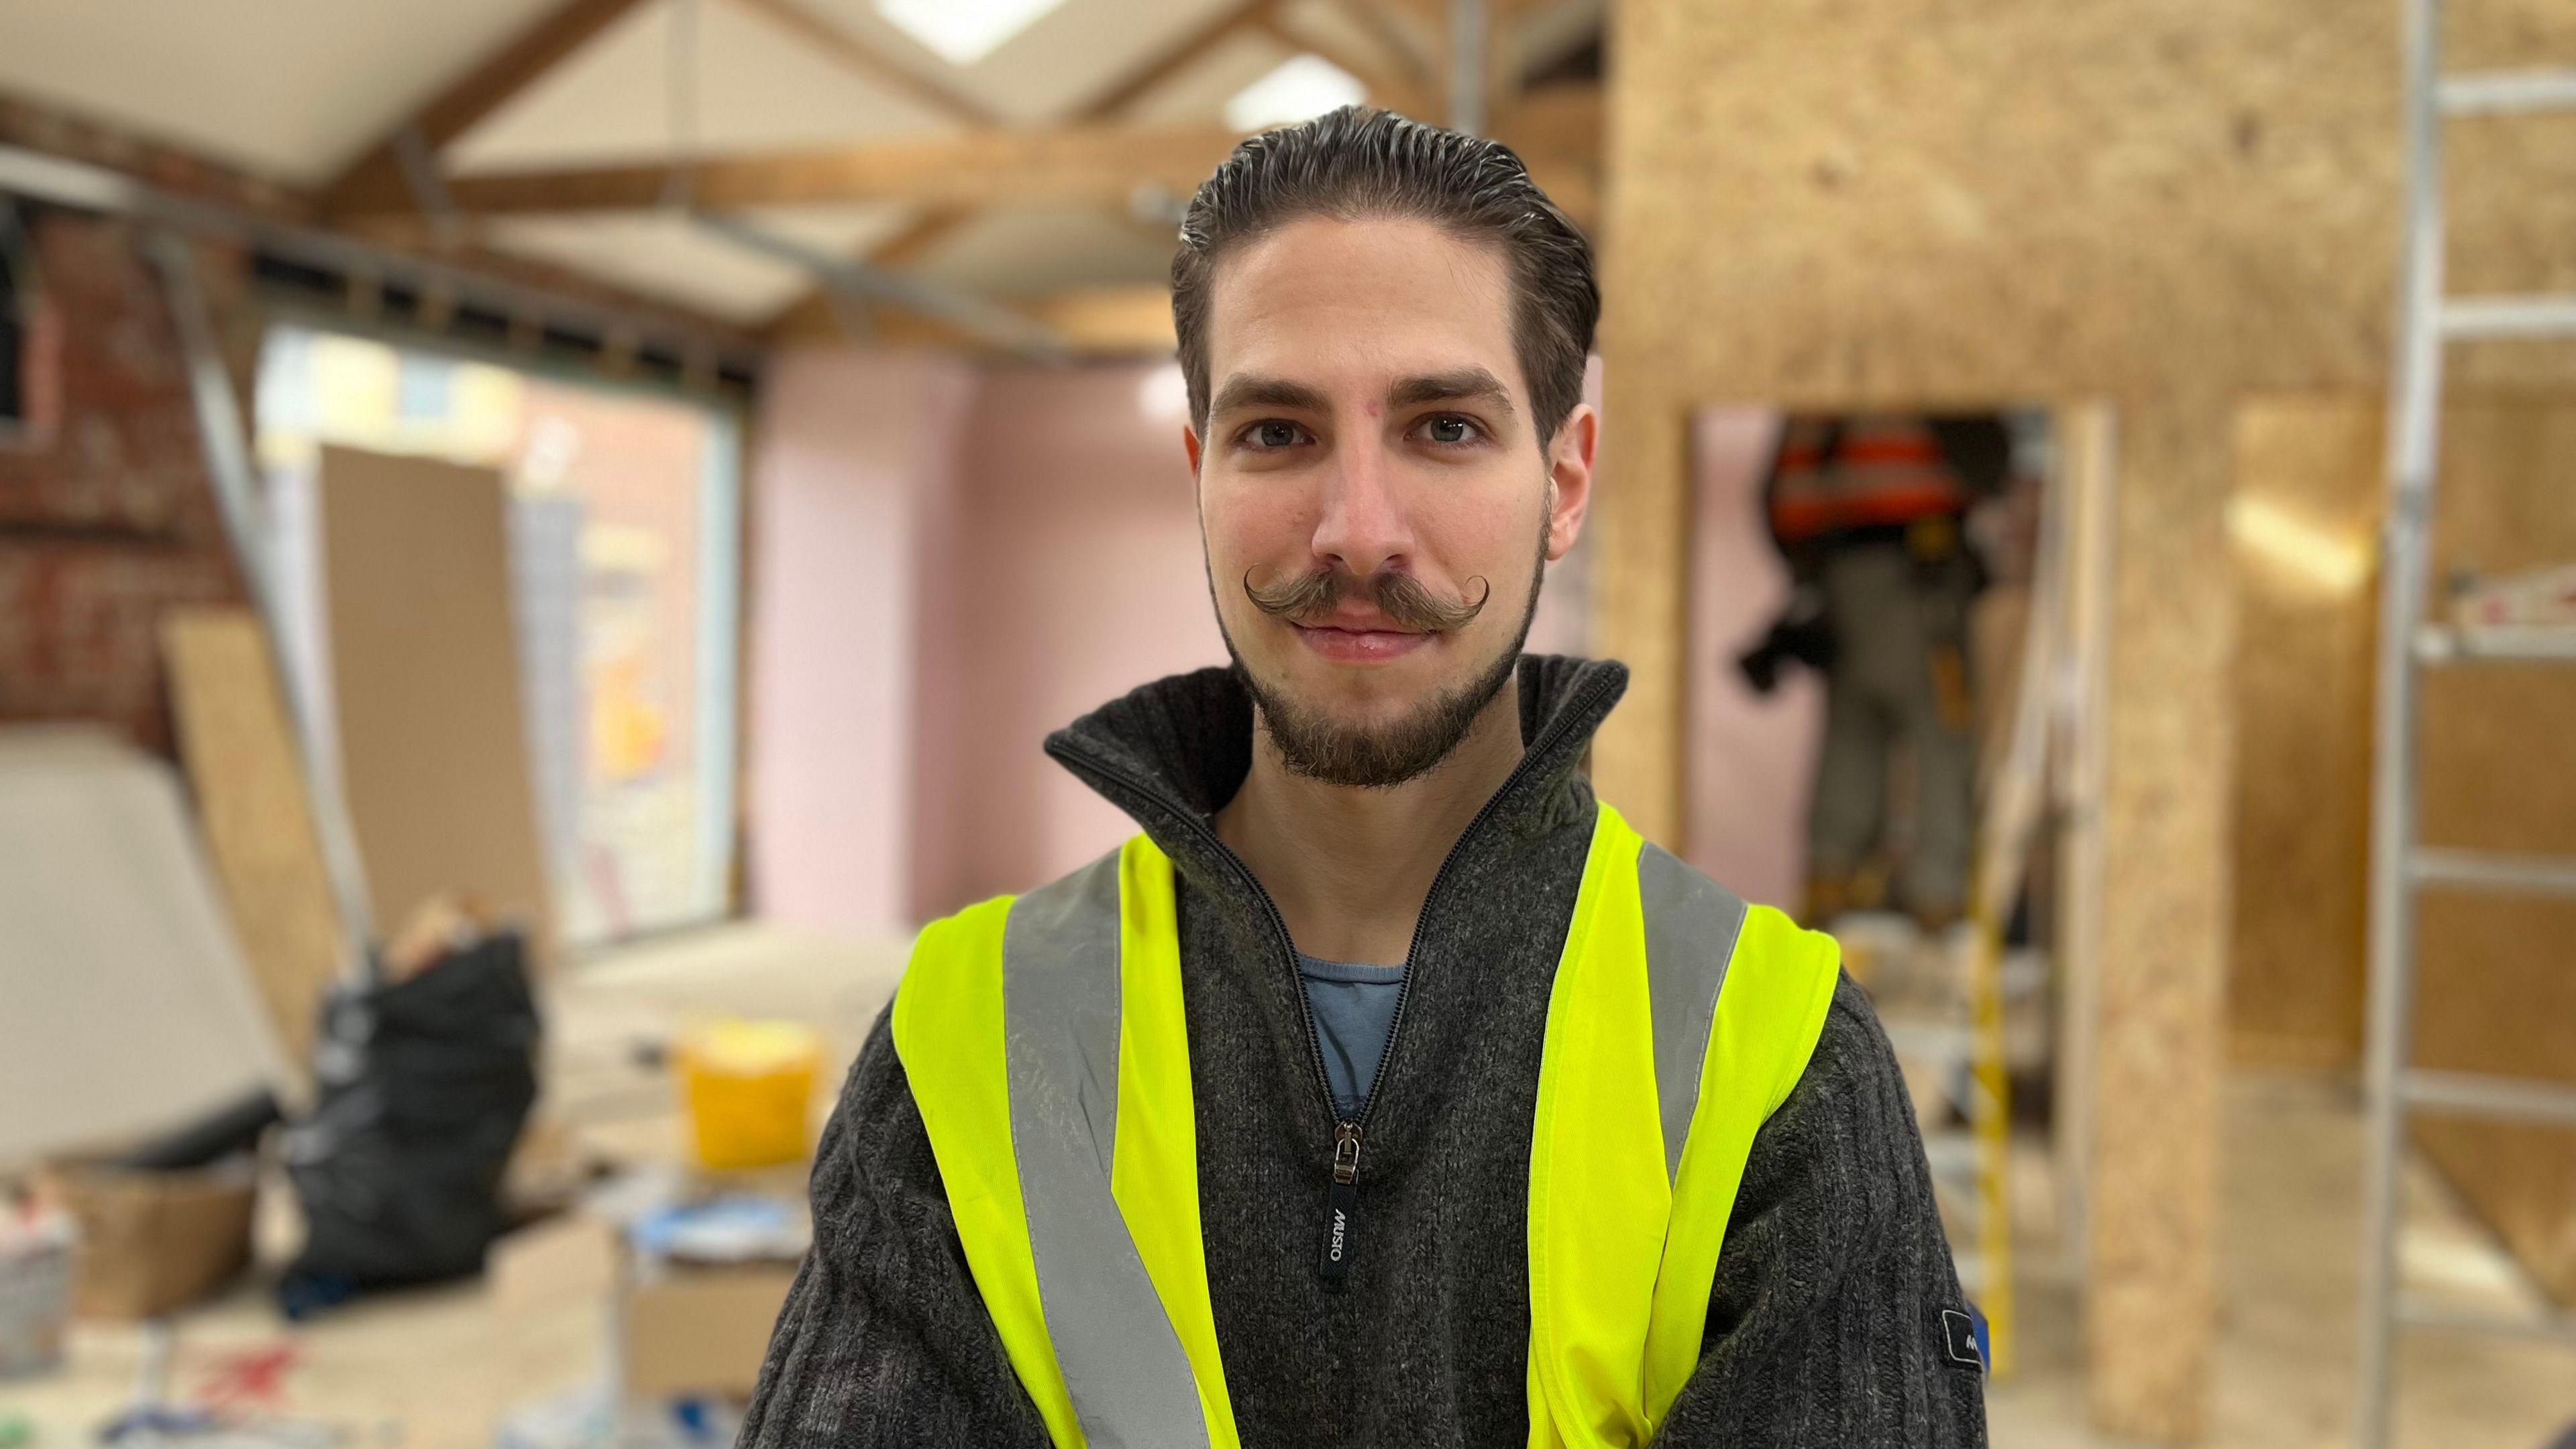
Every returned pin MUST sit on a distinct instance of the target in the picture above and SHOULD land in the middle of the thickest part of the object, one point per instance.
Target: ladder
(2428, 319)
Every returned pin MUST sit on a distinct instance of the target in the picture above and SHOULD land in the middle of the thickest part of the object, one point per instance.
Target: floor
(2288, 1286)
(440, 1369)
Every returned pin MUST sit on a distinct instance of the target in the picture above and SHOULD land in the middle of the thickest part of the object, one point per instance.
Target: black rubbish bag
(425, 1084)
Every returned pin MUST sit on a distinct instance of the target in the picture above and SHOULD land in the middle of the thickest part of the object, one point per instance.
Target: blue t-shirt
(1354, 1009)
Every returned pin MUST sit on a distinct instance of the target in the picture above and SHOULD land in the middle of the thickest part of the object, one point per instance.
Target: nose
(1363, 526)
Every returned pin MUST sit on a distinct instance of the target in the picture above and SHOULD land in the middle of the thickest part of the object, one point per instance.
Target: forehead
(1353, 303)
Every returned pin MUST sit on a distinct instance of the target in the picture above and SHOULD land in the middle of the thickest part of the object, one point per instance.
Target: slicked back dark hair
(1360, 161)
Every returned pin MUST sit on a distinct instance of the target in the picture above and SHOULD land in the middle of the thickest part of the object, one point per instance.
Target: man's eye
(1273, 434)
(1451, 430)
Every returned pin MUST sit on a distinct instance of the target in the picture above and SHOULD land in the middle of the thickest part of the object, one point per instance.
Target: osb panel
(2505, 501)
(2152, 1206)
(2499, 773)
(255, 813)
(2499, 764)
(2507, 34)
(2495, 996)
(2297, 965)
(1641, 608)
(2498, 759)
(2163, 203)
(2511, 184)
(2303, 681)
(1818, 203)
(2512, 180)
(1976, 201)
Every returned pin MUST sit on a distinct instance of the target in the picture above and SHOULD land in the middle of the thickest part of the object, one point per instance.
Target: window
(625, 595)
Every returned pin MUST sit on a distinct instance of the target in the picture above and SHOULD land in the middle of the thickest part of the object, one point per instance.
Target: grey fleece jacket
(1825, 1325)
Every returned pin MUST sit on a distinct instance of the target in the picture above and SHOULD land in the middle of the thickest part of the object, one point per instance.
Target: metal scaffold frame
(2428, 319)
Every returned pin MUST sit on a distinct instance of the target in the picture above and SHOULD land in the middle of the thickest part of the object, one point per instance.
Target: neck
(1349, 868)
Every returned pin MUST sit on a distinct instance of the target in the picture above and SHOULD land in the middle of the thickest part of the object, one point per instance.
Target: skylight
(963, 32)
(1301, 87)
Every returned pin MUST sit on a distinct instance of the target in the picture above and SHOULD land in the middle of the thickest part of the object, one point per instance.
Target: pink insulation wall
(1082, 580)
(854, 473)
(1750, 758)
(949, 562)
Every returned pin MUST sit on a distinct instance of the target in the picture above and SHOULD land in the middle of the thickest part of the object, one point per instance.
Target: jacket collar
(1173, 752)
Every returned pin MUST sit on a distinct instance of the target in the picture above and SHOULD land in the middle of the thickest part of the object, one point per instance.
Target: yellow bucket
(749, 1085)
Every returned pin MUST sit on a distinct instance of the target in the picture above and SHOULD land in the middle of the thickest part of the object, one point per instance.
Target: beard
(1313, 744)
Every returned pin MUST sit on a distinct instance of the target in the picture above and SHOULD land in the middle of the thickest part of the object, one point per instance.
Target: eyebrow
(1247, 391)
(1242, 391)
(1457, 386)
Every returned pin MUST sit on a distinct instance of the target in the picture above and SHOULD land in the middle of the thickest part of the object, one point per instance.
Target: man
(1871, 512)
(1387, 1090)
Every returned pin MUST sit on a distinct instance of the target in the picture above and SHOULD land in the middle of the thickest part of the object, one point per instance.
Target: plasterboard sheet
(129, 1008)
(426, 687)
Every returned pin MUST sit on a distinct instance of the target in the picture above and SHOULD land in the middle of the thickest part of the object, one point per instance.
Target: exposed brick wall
(111, 519)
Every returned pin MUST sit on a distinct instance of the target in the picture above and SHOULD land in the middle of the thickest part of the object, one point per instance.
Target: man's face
(1375, 500)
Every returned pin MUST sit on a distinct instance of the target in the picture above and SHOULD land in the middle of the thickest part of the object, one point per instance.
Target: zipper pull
(1341, 1222)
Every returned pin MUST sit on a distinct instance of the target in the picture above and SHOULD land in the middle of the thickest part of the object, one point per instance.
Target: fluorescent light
(1301, 88)
(963, 32)
(2330, 559)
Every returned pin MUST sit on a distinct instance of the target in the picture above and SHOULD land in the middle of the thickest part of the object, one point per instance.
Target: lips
(1345, 644)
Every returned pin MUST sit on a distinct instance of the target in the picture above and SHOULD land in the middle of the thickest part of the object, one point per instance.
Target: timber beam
(1097, 163)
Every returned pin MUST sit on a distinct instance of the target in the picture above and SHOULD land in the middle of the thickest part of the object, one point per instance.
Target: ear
(1190, 445)
(1569, 471)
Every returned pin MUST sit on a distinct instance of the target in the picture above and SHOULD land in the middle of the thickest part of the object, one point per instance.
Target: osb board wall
(252, 806)
(2497, 997)
(2303, 683)
(2304, 519)
(2496, 993)
(2499, 773)
(2161, 203)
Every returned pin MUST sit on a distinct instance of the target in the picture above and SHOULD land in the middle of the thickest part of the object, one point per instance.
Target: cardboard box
(685, 1331)
(569, 1258)
(676, 1327)
(152, 1241)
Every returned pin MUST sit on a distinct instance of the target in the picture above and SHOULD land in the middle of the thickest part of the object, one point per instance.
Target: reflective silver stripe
(1123, 1365)
(1691, 926)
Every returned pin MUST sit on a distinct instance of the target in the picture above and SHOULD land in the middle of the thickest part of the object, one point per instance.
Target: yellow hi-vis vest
(1044, 1039)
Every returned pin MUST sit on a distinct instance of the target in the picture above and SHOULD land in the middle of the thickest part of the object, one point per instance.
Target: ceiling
(299, 90)
(288, 88)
